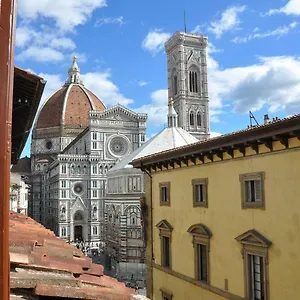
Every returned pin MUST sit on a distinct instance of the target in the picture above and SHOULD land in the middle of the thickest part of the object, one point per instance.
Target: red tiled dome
(69, 105)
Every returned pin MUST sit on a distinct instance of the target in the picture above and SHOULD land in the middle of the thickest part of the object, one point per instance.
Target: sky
(253, 53)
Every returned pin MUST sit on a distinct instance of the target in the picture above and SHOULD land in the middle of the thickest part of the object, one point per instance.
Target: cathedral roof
(70, 104)
(169, 138)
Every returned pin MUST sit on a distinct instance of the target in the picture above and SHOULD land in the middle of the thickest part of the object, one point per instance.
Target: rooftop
(277, 130)
(44, 265)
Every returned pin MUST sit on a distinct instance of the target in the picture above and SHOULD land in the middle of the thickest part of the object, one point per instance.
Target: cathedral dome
(69, 106)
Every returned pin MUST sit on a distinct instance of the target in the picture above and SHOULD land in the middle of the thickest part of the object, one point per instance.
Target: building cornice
(215, 148)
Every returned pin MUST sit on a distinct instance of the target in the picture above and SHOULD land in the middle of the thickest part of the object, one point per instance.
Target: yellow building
(223, 216)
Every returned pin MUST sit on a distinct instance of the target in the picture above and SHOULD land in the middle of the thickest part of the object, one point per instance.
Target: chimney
(266, 119)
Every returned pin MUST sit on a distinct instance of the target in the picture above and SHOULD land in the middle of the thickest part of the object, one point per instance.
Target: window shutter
(257, 184)
(204, 192)
(248, 191)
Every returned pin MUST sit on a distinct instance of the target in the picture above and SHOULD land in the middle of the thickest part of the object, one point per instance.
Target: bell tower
(187, 82)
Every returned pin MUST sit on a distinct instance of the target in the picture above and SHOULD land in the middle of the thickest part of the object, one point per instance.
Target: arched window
(72, 169)
(78, 169)
(175, 85)
(192, 119)
(133, 216)
(63, 210)
(84, 169)
(199, 121)
(193, 82)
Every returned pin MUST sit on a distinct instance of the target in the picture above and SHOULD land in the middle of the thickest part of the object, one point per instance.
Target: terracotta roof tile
(69, 106)
(45, 265)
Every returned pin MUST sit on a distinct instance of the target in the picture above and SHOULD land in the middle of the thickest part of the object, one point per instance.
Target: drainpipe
(7, 33)
(151, 226)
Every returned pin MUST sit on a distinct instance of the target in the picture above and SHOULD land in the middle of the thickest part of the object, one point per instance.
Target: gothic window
(64, 231)
(94, 183)
(193, 82)
(175, 85)
(63, 169)
(199, 121)
(133, 216)
(95, 230)
(84, 169)
(64, 194)
(94, 135)
(95, 194)
(72, 169)
(78, 169)
(192, 119)
(94, 145)
(94, 169)
(63, 210)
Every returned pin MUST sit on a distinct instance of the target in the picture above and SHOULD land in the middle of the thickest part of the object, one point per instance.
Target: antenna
(251, 116)
(184, 18)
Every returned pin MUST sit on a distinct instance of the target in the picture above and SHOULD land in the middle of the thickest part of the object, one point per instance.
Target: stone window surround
(201, 236)
(203, 181)
(252, 176)
(168, 186)
(255, 244)
(165, 230)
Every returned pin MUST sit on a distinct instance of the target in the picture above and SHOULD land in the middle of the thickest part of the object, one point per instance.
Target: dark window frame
(202, 192)
(252, 190)
(165, 193)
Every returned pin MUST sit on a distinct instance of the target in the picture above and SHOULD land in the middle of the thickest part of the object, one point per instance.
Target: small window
(95, 194)
(164, 193)
(94, 169)
(94, 182)
(175, 85)
(192, 119)
(94, 135)
(252, 190)
(63, 169)
(199, 120)
(64, 194)
(95, 230)
(63, 184)
(200, 192)
(64, 231)
(94, 145)
(142, 138)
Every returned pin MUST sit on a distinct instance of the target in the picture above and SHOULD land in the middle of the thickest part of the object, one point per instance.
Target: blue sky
(253, 55)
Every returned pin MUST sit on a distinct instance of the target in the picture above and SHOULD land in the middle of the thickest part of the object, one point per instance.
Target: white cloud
(101, 84)
(103, 21)
(155, 40)
(157, 109)
(278, 32)
(41, 54)
(66, 14)
(272, 83)
(229, 21)
(63, 43)
(291, 8)
(142, 83)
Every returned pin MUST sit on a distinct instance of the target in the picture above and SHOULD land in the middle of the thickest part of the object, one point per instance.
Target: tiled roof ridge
(231, 134)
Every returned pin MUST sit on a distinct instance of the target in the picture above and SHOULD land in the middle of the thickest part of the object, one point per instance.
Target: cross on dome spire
(74, 73)
(172, 115)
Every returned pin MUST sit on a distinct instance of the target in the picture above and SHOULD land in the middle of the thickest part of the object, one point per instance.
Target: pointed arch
(192, 118)
(199, 119)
